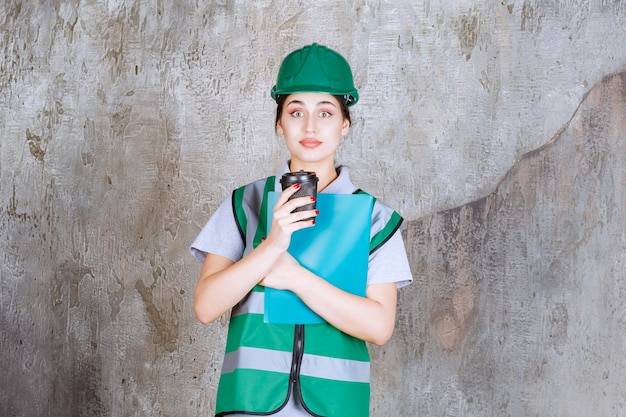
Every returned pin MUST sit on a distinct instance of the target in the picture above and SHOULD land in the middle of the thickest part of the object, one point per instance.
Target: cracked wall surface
(495, 128)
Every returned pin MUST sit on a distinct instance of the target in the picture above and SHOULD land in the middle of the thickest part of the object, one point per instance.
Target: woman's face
(312, 125)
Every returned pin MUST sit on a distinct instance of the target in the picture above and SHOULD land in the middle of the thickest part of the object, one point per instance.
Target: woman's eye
(325, 114)
(297, 113)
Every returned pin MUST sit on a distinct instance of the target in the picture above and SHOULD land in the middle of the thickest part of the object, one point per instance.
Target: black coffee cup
(308, 182)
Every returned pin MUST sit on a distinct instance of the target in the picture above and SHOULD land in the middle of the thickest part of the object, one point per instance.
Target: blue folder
(336, 249)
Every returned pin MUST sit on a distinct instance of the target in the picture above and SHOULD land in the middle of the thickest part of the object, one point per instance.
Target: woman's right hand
(285, 221)
(223, 283)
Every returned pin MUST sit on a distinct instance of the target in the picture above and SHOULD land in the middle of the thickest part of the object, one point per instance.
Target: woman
(297, 370)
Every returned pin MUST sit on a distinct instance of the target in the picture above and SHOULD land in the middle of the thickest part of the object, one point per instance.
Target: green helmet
(316, 69)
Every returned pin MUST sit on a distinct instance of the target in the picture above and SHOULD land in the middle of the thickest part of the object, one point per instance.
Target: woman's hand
(223, 283)
(285, 221)
(283, 274)
(370, 318)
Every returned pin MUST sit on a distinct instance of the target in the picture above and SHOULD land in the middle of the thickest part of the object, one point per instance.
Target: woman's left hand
(283, 274)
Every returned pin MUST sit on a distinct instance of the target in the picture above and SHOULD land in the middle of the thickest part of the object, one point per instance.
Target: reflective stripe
(393, 224)
(240, 215)
(255, 358)
(333, 368)
(262, 229)
(312, 365)
(253, 303)
(385, 222)
(254, 212)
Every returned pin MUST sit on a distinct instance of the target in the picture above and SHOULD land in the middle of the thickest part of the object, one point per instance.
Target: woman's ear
(345, 127)
(279, 128)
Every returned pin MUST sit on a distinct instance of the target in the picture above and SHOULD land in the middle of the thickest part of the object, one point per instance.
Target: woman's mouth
(310, 143)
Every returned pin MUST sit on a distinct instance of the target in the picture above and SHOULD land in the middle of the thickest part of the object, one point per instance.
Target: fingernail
(313, 221)
(317, 212)
(297, 186)
(312, 198)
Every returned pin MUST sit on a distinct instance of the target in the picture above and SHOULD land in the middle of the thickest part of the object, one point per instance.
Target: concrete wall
(519, 307)
(496, 128)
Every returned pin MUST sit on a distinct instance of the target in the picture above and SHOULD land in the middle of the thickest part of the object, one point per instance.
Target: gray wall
(495, 127)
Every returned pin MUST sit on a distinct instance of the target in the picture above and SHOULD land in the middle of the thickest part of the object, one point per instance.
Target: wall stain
(120, 120)
(84, 396)
(530, 18)
(453, 315)
(164, 320)
(66, 281)
(115, 298)
(12, 208)
(35, 145)
(467, 31)
(558, 321)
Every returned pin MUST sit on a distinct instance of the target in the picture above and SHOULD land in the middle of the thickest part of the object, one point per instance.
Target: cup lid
(299, 176)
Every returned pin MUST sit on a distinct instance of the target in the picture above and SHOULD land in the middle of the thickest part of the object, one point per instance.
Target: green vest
(264, 363)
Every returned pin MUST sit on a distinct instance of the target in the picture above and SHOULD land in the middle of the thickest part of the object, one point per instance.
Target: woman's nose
(309, 124)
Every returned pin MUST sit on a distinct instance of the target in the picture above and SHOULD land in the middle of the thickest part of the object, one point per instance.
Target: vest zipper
(296, 360)
(298, 352)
